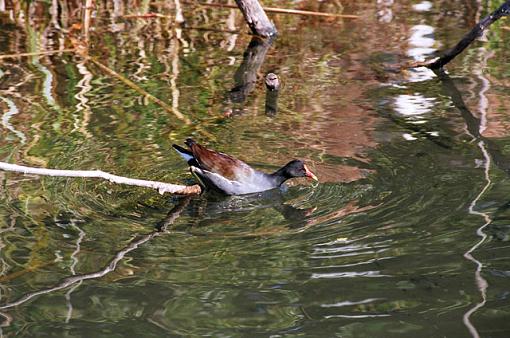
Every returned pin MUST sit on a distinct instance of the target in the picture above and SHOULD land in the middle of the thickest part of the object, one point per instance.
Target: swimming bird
(228, 175)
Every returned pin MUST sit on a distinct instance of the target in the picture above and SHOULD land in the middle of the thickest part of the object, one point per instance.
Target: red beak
(309, 174)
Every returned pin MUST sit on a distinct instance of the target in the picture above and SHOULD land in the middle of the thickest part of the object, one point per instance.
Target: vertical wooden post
(256, 18)
(87, 14)
(273, 86)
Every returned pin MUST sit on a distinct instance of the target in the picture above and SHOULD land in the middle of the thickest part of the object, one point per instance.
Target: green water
(405, 235)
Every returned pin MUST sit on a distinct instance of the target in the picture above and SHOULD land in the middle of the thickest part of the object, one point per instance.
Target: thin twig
(160, 186)
(283, 11)
(49, 52)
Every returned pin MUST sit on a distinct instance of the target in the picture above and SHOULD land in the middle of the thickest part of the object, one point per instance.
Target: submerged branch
(160, 186)
(474, 33)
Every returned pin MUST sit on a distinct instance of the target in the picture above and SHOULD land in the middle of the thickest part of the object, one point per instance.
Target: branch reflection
(110, 267)
(245, 77)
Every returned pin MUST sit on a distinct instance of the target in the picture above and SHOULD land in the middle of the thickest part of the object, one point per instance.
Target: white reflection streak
(413, 105)
(349, 303)
(350, 254)
(351, 248)
(231, 25)
(179, 17)
(78, 248)
(69, 313)
(54, 14)
(356, 316)
(174, 45)
(481, 282)
(47, 84)
(73, 272)
(13, 110)
(138, 74)
(370, 261)
(350, 274)
(5, 268)
(483, 100)
(5, 265)
(84, 85)
(423, 6)
(384, 11)
(421, 44)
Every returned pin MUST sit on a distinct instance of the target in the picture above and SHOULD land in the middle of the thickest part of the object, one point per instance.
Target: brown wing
(219, 163)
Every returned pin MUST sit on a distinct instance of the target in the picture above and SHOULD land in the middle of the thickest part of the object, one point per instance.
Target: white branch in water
(160, 186)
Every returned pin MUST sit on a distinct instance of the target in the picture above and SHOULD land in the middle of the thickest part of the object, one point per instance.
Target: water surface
(406, 233)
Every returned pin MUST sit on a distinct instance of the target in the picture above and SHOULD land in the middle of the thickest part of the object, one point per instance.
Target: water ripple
(13, 110)
(357, 316)
(349, 303)
(350, 274)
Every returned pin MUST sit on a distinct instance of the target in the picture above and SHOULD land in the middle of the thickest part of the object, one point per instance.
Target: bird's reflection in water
(223, 209)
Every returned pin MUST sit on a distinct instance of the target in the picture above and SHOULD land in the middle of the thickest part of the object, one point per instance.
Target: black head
(295, 168)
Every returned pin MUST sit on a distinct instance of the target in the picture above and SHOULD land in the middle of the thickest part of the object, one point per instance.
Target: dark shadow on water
(472, 122)
(218, 206)
(271, 104)
(245, 78)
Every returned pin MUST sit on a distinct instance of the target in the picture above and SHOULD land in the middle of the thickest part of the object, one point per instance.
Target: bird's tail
(185, 153)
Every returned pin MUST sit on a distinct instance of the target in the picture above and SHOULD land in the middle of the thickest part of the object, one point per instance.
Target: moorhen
(226, 174)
